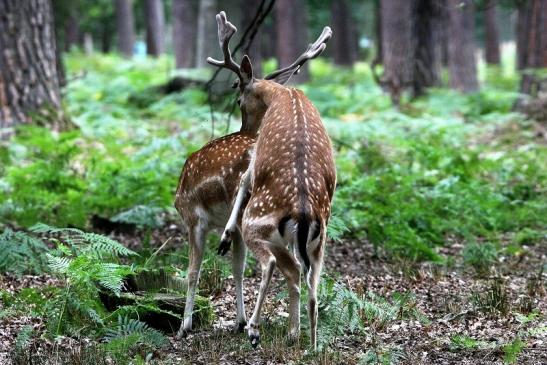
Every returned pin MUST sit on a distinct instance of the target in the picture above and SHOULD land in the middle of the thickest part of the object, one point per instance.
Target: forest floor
(462, 318)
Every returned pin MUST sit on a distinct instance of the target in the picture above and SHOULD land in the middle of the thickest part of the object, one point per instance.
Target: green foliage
(85, 261)
(343, 312)
(23, 338)
(21, 253)
(444, 165)
(383, 356)
(127, 336)
(512, 350)
(480, 256)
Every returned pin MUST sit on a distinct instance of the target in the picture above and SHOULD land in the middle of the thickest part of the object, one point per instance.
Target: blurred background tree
(408, 42)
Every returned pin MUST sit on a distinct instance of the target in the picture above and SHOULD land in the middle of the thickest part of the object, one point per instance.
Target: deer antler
(314, 50)
(225, 32)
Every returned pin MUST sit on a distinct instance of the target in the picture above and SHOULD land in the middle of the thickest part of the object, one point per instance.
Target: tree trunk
(124, 24)
(155, 24)
(29, 84)
(184, 33)
(461, 46)
(533, 50)
(427, 26)
(249, 10)
(207, 37)
(523, 20)
(378, 33)
(343, 48)
(492, 42)
(398, 46)
(72, 30)
(291, 28)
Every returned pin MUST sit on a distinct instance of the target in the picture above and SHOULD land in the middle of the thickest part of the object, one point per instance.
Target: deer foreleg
(231, 226)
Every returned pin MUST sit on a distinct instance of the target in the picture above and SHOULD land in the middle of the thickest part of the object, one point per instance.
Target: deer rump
(293, 175)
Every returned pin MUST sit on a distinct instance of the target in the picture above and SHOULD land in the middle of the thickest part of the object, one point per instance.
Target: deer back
(294, 167)
(211, 175)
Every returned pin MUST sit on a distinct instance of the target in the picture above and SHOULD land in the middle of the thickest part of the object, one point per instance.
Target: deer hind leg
(238, 267)
(267, 261)
(316, 264)
(196, 243)
(290, 268)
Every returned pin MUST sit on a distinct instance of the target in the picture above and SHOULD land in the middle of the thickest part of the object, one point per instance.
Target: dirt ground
(443, 294)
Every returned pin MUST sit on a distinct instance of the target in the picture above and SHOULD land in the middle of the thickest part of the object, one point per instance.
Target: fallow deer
(210, 177)
(291, 180)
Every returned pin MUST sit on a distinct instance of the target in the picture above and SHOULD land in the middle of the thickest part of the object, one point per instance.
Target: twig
(246, 41)
(156, 252)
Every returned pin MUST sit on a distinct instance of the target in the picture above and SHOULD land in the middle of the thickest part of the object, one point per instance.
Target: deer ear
(246, 68)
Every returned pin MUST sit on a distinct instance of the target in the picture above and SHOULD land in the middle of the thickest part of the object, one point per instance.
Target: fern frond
(126, 327)
(104, 246)
(58, 264)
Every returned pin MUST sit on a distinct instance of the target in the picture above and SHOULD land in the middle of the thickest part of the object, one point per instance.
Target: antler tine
(225, 32)
(314, 49)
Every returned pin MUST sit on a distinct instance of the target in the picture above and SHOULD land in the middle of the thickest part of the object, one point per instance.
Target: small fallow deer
(210, 178)
(291, 180)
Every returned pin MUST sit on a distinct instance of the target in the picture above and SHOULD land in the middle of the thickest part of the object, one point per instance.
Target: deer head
(255, 94)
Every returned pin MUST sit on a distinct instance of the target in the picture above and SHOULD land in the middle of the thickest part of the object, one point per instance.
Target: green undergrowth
(445, 165)
(92, 271)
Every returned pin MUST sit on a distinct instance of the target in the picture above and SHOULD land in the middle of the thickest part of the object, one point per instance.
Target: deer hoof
(225, 244)
(240, 327)
(224, 247)
(255, 340)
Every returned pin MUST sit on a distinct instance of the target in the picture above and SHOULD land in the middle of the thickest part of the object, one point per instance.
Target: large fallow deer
(210, 178)
(291, 180)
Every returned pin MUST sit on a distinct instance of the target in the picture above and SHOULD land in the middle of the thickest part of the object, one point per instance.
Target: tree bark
(248, 10)
(378, 33)
(72, 30)
(427, 24)
(398, 46)
(343, 48)
(461, 46)
(291, 39)
(532, 44)
(124, 24)
(184, 33)
(492, 42)
(207, 37)
(29, 84)
(155, 24)
(523, 20)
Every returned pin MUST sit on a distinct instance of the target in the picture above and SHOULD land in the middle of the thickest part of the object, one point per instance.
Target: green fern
(21, 253)
(89, 263)
(127, 327)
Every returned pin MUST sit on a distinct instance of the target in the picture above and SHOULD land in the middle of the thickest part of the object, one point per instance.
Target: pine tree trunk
(291, 28)
(378, 32)
(343, 48)
(426, 29)
(72, 31)
(492, 42)
(124, 24)
(29, 84)
(249, 10)
(398, 46)
(534, 47)
(207, 37)
(461, 46)
(184, 33)
(523, 20)
(155, 24)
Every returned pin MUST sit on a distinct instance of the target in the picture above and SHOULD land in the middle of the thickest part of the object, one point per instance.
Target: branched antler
(226, 30)
(314, 50)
